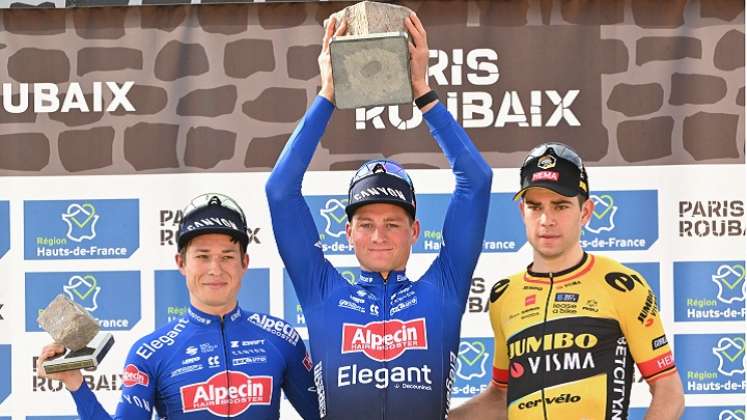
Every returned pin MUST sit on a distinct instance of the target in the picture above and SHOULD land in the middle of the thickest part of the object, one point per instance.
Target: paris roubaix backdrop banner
(112, 118)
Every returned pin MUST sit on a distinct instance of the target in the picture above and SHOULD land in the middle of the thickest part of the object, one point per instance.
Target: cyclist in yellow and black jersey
(569, 328)
(565, 342)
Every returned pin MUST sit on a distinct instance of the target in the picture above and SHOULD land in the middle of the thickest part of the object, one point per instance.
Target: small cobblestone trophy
(71, 325)
(371, 63)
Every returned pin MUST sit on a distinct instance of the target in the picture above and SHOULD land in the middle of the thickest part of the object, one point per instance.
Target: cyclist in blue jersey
(219, 360)
(384, 346)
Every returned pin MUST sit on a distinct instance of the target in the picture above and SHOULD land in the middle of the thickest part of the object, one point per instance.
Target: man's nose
(379, 235)
(214, 265)
(546, 219)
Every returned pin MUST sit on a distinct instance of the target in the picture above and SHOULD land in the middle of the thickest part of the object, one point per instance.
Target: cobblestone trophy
(71, 325)
(371, 63)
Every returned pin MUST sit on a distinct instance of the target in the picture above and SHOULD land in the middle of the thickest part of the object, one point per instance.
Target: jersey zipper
(544, 335)
(385, 318)
(225, 359)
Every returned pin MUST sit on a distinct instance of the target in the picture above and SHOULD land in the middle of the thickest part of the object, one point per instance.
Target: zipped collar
(368, 278)
(578, 270)
(204, 319)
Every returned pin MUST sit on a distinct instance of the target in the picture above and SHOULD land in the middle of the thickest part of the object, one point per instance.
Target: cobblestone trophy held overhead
(71, 325)
(371, 62)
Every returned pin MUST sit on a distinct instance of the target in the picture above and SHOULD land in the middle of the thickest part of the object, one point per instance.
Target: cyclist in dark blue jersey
(384, 346)
(219, 360)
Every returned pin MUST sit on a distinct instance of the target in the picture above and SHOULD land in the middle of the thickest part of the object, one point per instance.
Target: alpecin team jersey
(565, 342)
(202, 367)
(382, 349)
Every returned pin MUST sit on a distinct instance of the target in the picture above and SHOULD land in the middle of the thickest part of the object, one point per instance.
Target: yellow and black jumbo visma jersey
(565, 343)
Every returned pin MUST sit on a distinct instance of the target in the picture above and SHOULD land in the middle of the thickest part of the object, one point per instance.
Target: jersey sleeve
(87, 405)
(296, 234)
(500, 354)
(640, 322)
(467, 212)
(136, 400)
(298, 383)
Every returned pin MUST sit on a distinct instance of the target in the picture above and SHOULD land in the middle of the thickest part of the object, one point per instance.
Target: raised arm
(464, 224)
(295, 232)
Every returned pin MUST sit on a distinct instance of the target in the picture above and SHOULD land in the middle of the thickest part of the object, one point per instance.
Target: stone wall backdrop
(220, 87)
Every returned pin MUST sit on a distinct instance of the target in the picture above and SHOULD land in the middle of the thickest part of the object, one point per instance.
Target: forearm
(292, 222)
(489, 405)
(471, 170)
(88, 406)
(466, 216)
(667, 398)
(664, 408)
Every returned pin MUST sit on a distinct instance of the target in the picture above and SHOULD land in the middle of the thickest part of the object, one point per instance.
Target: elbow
(679, 398)
(680, 405)
(274, 189)
(475, 172)
(484, 180)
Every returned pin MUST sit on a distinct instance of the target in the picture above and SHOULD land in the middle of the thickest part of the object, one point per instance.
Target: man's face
(553, 222)
(382, 235)
(213, 266)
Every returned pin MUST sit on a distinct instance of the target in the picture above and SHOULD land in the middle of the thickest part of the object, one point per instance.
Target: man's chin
(549, 252)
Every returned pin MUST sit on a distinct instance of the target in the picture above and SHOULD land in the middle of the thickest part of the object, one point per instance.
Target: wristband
(426, 99)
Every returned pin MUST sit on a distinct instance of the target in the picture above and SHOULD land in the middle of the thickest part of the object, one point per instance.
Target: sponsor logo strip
(384, 340)
(221, 399)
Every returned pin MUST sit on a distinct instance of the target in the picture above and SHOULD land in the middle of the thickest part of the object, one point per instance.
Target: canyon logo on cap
(212, 213)
(381, 181)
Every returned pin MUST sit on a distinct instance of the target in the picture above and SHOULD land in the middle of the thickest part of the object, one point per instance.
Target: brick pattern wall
(219, 88)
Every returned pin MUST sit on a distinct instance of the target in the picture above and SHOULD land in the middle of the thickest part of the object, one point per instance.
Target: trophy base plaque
(87, 357)
(371, 70)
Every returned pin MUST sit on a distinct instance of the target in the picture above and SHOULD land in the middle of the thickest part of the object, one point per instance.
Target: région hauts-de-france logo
(730, 353)
(111, 297)
(622, 220)
(81, 229)
(81, 221)
(84, 290)
(730, 282)
(473, 360)
(603, 218)
(334, 215)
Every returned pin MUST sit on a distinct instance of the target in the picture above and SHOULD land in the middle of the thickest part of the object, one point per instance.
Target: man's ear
(415, 232)
(349, 232)
(586, 211)
(179, 259)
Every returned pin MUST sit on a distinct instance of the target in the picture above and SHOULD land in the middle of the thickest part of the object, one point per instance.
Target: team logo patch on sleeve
(498, 289)
(227, 394)
(384, 345)
(621, 281)
(659, 342)
(307, 362)
(132, 376)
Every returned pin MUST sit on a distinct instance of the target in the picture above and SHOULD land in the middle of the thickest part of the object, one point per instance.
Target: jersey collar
(201, 318)
(368, 277)
(578, 270)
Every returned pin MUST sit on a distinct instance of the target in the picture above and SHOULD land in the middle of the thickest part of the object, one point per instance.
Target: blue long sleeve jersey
(382, 349)
(202, 367)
